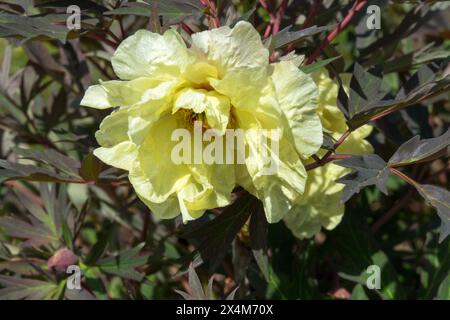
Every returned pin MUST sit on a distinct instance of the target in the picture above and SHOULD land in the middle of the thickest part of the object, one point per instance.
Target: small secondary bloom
(321, 204)
(225, 80)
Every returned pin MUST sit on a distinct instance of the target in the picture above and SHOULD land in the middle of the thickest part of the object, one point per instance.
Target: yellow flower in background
(321, 204)
(225, 80)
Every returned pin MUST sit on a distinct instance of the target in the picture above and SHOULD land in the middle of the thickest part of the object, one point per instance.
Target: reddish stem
(322, 162)
(272, 18)
(267, 31)
(26, 192)
(404, 177)
(328, 157)
(113, 36)
(103, 39)
(357, 6)
(279, 16)
(337, 144)
(213, 16)
(186, 28)
(119, 183)
(275, 18)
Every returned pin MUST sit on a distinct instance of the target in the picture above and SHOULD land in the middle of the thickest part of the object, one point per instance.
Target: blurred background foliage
(60, 206)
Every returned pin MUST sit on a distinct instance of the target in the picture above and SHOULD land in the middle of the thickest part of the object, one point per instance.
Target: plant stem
(404, 177)
(122, 29)
(337, 144)
(275, 18)
(357, 6)
(103, 39)
(145, 226)
(322, 162)
(328, 157)
(279, 16)
(186, 28)
(272, 18)
(213, 16)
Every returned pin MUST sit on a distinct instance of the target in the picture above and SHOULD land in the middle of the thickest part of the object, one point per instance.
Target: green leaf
(101, 245)
(4, 252)
(196, 291)
(439, 198)
(194, 284)
(124, 263)
(322, 63)
(358, 293)
(412, 60)
(258, 241)
(132, 8)
(444, 289)
(53, 158)
(174, 10)
(91, 167)
(365, 89)
(369, 98)
(29, 27)
(35, 233)
(245, 17)
(413, 20)
(44, 225)
(216, 235)
(67, 235)
(367, 170)
(17, 171)
(58, 167)
(85, 5)
(434, 270)
(82, 294)
(353, 250)
(286, 36)
(19, 288)
(416, 150)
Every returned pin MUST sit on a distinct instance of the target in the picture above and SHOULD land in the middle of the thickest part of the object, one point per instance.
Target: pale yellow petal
(216, 107)
(277, 174)
(297, 96)
(231, 48)
(116, 93)
(122, 155)
(147, 54)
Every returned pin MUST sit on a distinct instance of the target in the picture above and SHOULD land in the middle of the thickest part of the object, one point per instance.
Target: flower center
(187, 117)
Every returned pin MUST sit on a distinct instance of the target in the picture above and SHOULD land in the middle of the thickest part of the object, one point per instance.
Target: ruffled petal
(215, 106)
(161, 176)
(148, 54)
(230, 49)
(305, 220)
(297, 95)
(277, 174)
(116, 93)
(122, 155)
(158, 178)
(113, 129)
(321, 205)
(330, 115)
(210, 187)
(226, 78)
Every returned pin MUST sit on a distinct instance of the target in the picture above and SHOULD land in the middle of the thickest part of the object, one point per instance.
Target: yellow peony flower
(321, 205)
(225, 80)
